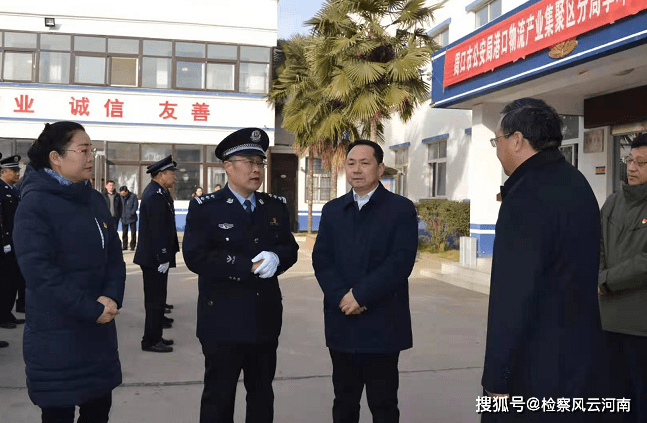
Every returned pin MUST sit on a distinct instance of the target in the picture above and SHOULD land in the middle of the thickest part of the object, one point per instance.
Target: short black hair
(55, 137)
(109, 181)
(377, 150)
(537, 121)
(123, 188)
(639, 141)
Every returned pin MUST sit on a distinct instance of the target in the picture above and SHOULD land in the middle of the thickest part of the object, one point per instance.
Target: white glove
(7, 249)
(270, 262)
(163, 267)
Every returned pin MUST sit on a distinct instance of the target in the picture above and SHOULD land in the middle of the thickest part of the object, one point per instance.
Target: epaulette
(276, 197)
(203, 199)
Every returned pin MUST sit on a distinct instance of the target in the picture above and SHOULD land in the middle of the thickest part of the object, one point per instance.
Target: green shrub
(444, 219)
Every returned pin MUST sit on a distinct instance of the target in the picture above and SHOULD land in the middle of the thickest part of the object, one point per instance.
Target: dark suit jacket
(543, 334)
(9, 200)
(117, 203)
(158, 241)
(234, 305)
(372, 251)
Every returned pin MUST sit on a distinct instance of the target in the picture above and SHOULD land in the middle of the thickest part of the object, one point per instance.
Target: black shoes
(8, 325)
(166, 325)
(167, 311)
(4, 344)
(169, 306)
(166, 341)
(18, 321)
(168, 319)
(160, 347)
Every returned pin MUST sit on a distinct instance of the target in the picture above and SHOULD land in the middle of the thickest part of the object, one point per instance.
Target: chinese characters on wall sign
(540, 26)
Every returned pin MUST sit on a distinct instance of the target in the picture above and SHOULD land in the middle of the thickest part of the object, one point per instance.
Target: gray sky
(292, 14)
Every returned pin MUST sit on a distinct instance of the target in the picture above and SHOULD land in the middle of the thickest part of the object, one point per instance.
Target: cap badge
(225, 226)
(256, 136)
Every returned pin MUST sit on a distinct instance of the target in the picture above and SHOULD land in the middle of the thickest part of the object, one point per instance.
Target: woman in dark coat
(68, 250)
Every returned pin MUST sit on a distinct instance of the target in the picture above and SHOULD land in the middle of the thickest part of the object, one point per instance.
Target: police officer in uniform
(156, 250)
(238, 241)
(11, 280)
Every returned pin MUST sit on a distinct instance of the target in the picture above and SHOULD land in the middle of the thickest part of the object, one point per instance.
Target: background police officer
(238, 240)
(11, 280)
(156, 250)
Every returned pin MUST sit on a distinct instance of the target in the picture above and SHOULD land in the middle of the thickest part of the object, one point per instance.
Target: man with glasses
(11, 279)
(543, 333)
(238, 240)
(622, 281)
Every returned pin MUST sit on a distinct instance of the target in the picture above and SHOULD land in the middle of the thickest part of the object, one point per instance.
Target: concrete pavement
(439, 381)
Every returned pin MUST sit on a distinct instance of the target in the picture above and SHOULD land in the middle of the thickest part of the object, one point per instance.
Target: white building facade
(144, 81)
(588, 59)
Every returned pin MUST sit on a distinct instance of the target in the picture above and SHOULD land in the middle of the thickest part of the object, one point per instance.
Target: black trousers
(124, 235)
(11, 283)
(629, 367)
(379, 372)
(155, 286)
(223, 363)
(93, 411)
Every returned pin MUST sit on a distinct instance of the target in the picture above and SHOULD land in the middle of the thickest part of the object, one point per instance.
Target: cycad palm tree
(318, 122)
(369, 58)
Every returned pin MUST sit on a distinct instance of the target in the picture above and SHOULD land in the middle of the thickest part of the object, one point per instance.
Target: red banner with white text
(540, 26)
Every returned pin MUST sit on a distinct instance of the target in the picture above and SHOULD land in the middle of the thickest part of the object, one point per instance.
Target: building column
(485, 176)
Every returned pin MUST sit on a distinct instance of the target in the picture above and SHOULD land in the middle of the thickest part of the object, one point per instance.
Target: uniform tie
(248, 209)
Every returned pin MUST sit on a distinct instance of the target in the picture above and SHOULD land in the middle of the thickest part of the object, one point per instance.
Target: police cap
(11, 162)
(244, 142)
(166, 163)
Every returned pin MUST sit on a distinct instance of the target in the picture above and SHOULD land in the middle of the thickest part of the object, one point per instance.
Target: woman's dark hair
(55, 137)
(537, 121)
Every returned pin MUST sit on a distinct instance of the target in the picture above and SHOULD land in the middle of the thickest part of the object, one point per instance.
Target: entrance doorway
(283, 179)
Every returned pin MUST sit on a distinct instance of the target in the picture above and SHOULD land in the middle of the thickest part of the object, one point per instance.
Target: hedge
(444, 219)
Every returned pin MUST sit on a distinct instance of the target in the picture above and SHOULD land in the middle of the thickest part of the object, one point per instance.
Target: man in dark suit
(129, 218)
(113, 201)
(544, 338)
(156, 250)
(238, 241)
(363, 256)
(11, 279)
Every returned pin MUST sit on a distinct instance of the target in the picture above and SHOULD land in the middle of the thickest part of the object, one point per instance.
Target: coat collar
(539, 160)
(378, 196)
(634, 194)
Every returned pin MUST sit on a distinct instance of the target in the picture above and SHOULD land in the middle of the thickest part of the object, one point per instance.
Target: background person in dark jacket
(544, 338)
(238, 240)
(11, 279)
(363, 256)
(113, 201)
(156, 250)
(129, 217)
(622, 281)
(70, 256)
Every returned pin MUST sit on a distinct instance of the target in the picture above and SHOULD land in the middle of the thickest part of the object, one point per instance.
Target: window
(442, 38)
(321, 182)
(401, 164)
(103, 61)
(487, 13)
(437, 168)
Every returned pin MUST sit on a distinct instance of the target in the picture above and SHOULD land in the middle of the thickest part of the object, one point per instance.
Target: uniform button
(258, 294)
(256, 240)
(209, 303)
(238, 279)
(226, 239)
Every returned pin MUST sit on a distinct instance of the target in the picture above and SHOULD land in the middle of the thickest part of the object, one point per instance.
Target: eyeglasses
(628, 160)
(493, 141)
(87, 151)
(251, 163)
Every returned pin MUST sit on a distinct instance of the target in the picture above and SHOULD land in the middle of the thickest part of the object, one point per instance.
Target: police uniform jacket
(234, 305)
(372, 251)
(9, 199)
(158, 241)
(70, 255)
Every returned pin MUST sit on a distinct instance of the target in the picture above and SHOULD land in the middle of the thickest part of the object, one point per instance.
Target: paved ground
(440, 376)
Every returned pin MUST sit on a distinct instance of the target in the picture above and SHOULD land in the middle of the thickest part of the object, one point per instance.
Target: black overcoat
(372, 251)
(544, 338)
(158, 241)
(234, 305)
(69, 253)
